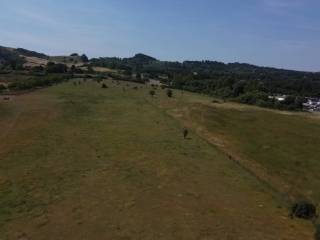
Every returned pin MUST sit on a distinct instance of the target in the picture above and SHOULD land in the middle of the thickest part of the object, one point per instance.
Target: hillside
(81, 161)
(8, 55)
(33, 59)
(239, 82)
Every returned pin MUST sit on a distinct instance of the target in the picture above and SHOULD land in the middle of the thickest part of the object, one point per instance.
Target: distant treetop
(84, 58)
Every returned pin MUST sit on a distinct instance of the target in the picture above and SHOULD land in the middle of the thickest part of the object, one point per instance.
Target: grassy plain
(82, 162)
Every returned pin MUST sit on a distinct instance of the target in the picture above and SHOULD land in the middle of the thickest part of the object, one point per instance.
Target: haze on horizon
(277, 33)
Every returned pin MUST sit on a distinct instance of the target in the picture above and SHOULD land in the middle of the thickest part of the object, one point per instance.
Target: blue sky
(279, 33)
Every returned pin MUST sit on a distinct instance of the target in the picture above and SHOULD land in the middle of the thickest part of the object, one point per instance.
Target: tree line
(234, 81)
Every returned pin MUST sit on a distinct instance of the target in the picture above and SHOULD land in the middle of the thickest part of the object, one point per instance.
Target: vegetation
(152, 93)
(34, 82)
(10, 59)
(169, 93)
(239, 82)
(305, 210)
(114, 165)
(29, 53)
(2, 88)
(56, 68)
(84, 58)
(285, 145)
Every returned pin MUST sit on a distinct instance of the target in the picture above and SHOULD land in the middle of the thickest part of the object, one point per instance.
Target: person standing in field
(185, 133)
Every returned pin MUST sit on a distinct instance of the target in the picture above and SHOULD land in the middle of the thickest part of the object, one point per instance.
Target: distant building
(279, 98)
(312, 104)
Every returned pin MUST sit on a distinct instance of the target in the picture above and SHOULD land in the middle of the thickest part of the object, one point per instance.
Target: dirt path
(275, 183)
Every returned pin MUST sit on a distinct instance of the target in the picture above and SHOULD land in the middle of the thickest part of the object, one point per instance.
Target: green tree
(152, 93)
(84, 58)
(169, 93)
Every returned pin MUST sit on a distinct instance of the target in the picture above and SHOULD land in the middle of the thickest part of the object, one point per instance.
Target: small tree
(90, 69)
(73, 69)
(84, 58)
(2, 87)
(304, 210)
(138, 76)
(104, 85)
(152, 93)
(169, 93)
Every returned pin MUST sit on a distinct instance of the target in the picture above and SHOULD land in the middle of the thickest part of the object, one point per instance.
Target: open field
(82, 162)
(104, 70)
(280, 147)
(34, 62)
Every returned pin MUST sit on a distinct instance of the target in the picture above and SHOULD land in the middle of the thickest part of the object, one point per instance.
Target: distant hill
(29, 58)
(140, 59)
(28, 53)
(246, 82)
(8, 56)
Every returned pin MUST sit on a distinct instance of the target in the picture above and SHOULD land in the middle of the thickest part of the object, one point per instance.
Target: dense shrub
(152, 93)
(2, 88)
(304, 210)
(56, 68)
(84, 58)
(37, 82)
(253, 98)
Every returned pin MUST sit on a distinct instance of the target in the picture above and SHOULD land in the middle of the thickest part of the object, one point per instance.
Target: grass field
(82, 162)
(283, 146)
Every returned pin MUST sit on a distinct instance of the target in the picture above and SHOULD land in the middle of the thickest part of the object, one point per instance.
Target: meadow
(78, 161)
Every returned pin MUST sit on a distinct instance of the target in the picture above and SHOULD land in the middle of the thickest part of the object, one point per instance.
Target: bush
(304, 209)
(98, 78)
(2, 88)
(84, 58)
(152, 93)
(104, 86)
(56, 68)
(37, 82)
(253, 98)
(169, 93)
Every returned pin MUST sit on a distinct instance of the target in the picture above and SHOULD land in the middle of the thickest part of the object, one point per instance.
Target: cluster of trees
(34, 82)
(10, 59)
(52, 67)
(134, 64)
(240, 82)
(83, 57)
(56, 68)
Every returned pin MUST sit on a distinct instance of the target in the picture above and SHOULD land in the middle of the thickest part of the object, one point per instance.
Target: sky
(276, 33)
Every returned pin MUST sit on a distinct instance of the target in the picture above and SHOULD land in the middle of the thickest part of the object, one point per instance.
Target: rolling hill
(78, 161)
